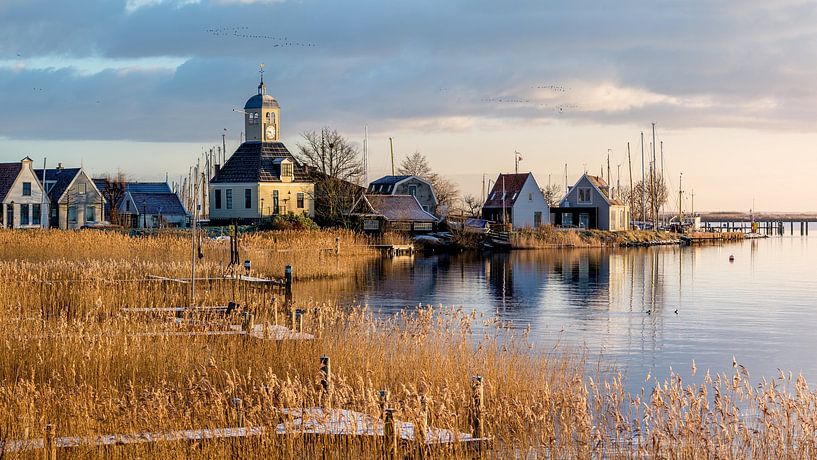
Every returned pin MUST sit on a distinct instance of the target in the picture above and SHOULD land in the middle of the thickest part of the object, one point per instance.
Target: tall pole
(643, 185)
(654, 188)
(45, 192)
(193, 245)
(565, 178)
(609, 177)
(391, 148)
(630, 163)
(618, 181)
(483, 187)
(680, 201)
(504, 220)
(224, 145)
(366, 154)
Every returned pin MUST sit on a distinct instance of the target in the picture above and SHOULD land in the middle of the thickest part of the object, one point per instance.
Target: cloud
(405, 65)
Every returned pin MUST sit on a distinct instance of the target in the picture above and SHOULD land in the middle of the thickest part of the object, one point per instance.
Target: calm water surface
(762, 308)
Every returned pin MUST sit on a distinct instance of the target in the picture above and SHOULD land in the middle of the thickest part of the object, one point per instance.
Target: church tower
(262, 116)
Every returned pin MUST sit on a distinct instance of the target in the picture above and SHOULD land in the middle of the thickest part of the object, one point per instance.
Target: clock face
(270, 131)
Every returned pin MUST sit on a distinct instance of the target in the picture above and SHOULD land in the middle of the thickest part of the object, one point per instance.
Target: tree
(416, 164)
(553, 194)
(336, 168)
(113, 191)
(655, 195)
(472, 206)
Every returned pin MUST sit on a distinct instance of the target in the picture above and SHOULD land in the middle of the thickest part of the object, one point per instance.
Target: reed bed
(71, 357)
(549, 237)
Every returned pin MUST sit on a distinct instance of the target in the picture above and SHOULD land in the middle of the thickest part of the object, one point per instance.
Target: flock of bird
(243, 32)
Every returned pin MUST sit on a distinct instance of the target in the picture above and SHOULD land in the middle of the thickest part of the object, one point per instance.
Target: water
(761, 308)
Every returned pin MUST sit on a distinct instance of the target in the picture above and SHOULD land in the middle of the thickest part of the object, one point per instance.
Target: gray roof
(63, 178)
(389, 180)
(261, 100)
(148, 187)
(401, 208)
(259, 162)
(157, 203)
(8, 174)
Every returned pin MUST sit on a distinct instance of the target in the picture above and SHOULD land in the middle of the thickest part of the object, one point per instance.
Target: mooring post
(288, 285)
(238, 406)
(292, 320)
(337, 245)
(326, 378)
(299, 320)
(390, 434)
(479, 399)
(50, 443)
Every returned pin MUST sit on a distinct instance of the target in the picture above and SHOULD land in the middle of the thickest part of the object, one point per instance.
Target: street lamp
(262, 209)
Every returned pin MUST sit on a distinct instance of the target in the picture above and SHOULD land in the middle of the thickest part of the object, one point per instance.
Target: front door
(537, 219)
(10, 216)
(584, 220)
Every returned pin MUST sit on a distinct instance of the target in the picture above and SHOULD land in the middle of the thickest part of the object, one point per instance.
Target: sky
(145, 85)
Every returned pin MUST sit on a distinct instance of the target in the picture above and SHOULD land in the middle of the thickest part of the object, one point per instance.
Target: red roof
(511, 185)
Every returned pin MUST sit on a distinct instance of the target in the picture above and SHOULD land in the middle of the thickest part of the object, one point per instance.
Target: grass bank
(550, 237)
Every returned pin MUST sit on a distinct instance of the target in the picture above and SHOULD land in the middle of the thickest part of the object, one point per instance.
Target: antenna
(365, 154)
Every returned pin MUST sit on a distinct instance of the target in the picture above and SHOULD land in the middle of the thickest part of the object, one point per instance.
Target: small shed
(151, 205)
(397, 213)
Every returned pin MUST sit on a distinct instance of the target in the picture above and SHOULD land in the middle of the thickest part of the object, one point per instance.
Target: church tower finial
(262, 88)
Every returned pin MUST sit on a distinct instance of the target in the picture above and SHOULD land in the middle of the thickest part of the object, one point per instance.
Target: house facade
(588, 205)
(262, 178)
(517, 200)
(75, 200)
(24, 204)
(152, 205)
(414, 186)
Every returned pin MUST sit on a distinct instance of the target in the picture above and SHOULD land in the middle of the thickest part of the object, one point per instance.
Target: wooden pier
(394, 250)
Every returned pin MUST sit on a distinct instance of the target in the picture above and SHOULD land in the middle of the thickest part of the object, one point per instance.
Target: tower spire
(262, 88)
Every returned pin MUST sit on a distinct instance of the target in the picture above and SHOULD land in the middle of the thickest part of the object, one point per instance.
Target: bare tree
(655, 194)
(336, 168)
(113, 191)
(553, 194)
(472, 206)
(329, 153)
(416, 164)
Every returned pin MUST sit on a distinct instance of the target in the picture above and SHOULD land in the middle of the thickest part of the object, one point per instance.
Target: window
(127, 205)
(530, 196)
(90, 214)
(275, 208)
(300, 198)
(585, 196)
(72, 214)
(567, 219)
(413, 190)
(623, 219)
(10, 216)
(401, 226)
(24, 215)
(613, 225)
(253, 118)
(26, 188)
(286, 169)
(584, 220)
(423, 226)
(81, 189)
(229, 198)
(36, 210)
(537, 219)
(218, 199)
(247, 198)
(371, 224)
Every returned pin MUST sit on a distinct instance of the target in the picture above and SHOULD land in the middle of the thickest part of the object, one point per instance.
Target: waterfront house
(151, 205)
(262, 178)
(406, 185)
(396, 213)
(74, 199)
(516, 200)
(24, 204)
(588, 205)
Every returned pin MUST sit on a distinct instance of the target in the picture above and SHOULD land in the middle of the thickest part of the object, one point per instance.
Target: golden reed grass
(71, 357)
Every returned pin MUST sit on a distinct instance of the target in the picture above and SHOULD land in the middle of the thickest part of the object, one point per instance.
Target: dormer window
(286, 170)
(584, 195)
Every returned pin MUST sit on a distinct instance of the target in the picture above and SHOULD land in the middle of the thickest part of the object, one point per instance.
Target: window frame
(26, 188)
(229, 198)
(589, 193)
(36, 214)
(25, 214)
(247, 198)
(217, 198)
(300, 200)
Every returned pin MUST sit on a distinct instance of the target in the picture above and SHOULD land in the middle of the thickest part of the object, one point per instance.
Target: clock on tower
(262, 116)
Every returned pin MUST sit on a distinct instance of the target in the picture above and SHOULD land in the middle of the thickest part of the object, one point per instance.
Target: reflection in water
(621, 304)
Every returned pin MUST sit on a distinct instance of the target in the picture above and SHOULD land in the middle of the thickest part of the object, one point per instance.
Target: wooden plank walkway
(301, 421)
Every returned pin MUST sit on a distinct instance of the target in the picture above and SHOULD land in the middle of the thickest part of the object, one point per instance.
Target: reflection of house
(400, 213)
(151, 205)
(516, 199)
(588, 205)
(406, 185)
(21, 194)
(75, 200)
(262, 178)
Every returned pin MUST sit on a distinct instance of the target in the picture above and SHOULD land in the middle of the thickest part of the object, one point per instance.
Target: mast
(391, 148)
(654, 188)
(643, 185)
(681, 201)
(365, 154)
(630, 163)
(504, 220)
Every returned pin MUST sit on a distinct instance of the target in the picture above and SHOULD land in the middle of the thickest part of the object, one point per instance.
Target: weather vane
(261, 71)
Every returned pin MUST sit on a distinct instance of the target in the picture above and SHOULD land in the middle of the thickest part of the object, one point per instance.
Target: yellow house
(262, 178)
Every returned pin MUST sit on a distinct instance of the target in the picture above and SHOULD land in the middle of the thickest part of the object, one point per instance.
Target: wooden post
(390, 434)
(478, 423)
(326, 378)
(238, 406)
(422, 424)
(384, 401)
(288, 284)
(318, 313)
(292, 320)
(50, 445)
(247, 321)
(299, 320)
(337, 245)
